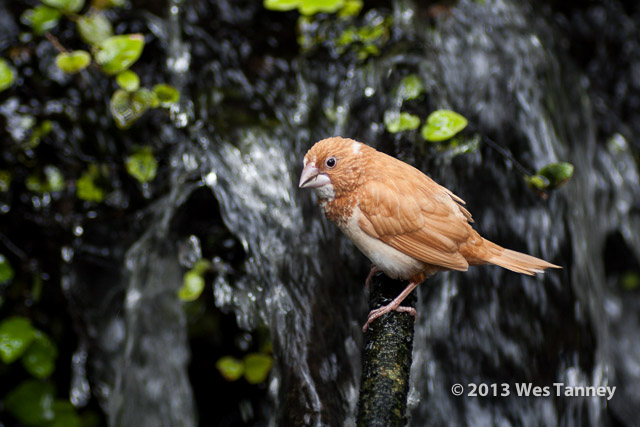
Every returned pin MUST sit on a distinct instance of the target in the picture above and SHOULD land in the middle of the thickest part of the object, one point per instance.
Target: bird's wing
(416, 216)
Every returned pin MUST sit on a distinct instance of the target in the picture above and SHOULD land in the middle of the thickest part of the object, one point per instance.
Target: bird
(409, 226)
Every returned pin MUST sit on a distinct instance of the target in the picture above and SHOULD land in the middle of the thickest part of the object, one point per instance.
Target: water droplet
(67, 253)
(189, 161)
(189, 251)
(133, 298)
(80, 392)
(211, 179)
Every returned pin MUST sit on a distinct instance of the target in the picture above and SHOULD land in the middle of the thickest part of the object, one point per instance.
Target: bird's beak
(312, 178)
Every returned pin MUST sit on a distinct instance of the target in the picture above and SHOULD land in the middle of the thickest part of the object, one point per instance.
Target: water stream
(501, 64)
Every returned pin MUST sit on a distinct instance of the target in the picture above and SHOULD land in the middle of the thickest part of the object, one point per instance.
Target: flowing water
(245, 121)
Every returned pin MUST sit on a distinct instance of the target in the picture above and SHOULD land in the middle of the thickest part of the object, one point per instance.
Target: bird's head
(333, 167)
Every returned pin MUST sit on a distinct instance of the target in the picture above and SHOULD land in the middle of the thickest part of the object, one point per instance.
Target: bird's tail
(511, 260)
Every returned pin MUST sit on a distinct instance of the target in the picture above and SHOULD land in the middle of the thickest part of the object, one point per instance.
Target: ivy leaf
(117, 53)
(31, 403)
(128, 80)
(41, 18)
(66, 6)
(127, 107)
(537, 182)
(193, 281)
(311, 7)
(230, 368)
(350, 8)
(557, 174)
(397, 122)
(40, 358)
(281, 5)
(192, 286)
(410, 88)
(142, 165)
(257, 367)
(442, 125)
(94, 28)
(167, 95)
(73, 62)
(65, 415)
(6, 272)
(7, 75)
(86, 188)
(16, 333)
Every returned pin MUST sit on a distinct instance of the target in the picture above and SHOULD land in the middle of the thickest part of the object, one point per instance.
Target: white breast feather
(394, 263)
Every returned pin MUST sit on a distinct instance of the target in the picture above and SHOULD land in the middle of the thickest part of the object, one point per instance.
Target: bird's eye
(330, 162)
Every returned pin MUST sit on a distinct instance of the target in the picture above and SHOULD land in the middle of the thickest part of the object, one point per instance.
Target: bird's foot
(374, 314)
(372, 272)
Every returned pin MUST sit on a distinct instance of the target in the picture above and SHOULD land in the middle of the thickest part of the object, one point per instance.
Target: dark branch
(386, 359)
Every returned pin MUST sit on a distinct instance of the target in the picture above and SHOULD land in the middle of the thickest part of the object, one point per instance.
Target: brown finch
(409, 226)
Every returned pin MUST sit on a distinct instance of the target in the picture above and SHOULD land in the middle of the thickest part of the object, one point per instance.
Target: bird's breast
(391, 261)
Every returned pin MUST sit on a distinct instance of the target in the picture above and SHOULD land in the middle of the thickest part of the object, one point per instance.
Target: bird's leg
(372, 272)
(393, 306)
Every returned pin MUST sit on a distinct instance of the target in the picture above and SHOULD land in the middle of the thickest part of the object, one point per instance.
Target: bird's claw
(374, 314)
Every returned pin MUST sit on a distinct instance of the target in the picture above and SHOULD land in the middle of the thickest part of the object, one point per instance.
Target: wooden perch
(386, 359)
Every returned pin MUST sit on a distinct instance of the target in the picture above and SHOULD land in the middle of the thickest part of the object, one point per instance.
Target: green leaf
(128, 107)
(350, 8)
(257, 367)
(192, 286)
(311, 7)
(230, 368)
(16, 333)
(281, 5)
(40, 358)
(73, 62)
(6, 271)
(5, 181)
(94, 28)
(537, 182)
(442, 125)
(167, 95)
(201, 267)
(7, 75)
(461, 145)
(86, 188)
(193, 281)
(39, 132)
(397, 122)
(142, 165)
(410, 87)
(630, 281)
(557, 174)
(31, 403)
(66, 6)
(41, 18)
(65, 415)
(117, 53)
(128, 80)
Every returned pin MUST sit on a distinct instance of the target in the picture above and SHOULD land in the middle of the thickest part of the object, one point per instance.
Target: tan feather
(407, 210)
